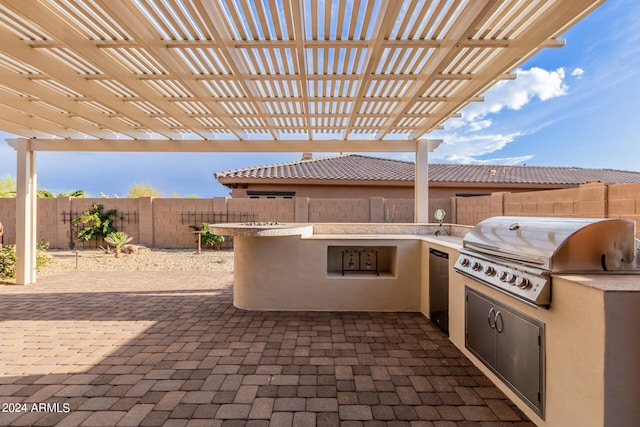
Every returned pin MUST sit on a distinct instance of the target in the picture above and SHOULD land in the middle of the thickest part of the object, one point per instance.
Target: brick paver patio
(157, 348)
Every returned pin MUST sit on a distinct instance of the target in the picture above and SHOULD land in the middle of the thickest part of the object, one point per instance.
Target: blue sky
(572, 106)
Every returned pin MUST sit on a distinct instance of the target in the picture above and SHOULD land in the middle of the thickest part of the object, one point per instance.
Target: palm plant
(43, 193)
(118, 239)
(74, 193)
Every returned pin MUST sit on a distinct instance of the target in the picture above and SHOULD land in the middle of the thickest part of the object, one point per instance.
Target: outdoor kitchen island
(590, 354)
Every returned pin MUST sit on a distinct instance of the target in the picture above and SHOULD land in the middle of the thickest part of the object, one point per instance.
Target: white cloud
(455, 123)
(577, 72)
(465, 138)
(457, 148)
(515, 94)
(479, 125)
(507, 161)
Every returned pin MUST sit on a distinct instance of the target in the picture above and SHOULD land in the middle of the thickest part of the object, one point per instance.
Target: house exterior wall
(328, 190)
(340, 190)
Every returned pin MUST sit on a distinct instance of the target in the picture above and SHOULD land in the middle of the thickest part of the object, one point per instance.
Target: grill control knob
(476, 266)
(523, 283)
(511, 278)
(489, 271)
(503, 276)
(465, 262)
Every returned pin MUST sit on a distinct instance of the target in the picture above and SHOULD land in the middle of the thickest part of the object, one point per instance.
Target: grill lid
(557, 244)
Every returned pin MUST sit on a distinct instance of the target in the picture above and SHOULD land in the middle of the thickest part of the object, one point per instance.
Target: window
(271, 194)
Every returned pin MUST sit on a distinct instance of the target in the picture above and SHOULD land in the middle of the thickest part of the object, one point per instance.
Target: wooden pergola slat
(119, 53)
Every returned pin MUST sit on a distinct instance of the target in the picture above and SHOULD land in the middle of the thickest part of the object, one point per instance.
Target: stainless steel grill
(517, 255)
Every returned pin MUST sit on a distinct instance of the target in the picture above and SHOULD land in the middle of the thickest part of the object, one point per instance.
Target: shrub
(8, 259)
(97, 223)
(8, 262)
(207, 238)
(42, 257)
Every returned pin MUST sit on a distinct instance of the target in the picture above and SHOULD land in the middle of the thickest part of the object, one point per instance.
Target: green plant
(42, 245)
(207, 238)
(118, 239)
(106, 196)
(97, 223)
(8, 259)
(74, 193)
(143, 190)
(42, 258)
(8, 186)
(43, 193)
(7, 262)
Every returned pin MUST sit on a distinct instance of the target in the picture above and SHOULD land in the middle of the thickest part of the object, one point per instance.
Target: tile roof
(366, 168)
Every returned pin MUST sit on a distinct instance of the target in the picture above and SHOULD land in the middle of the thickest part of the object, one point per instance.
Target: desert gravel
(152, 260)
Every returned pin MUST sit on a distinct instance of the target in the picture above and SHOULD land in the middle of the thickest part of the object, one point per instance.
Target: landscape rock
(134, 249)
(141, 260)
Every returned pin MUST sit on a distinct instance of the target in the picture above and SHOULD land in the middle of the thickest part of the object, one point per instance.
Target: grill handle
(499, 326)
(490, 250)
(492, 324)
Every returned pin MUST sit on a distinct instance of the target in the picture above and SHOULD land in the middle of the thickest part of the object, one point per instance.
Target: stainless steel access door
(509, 343)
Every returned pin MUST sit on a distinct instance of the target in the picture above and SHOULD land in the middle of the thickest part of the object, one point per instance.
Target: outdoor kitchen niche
(369, 261)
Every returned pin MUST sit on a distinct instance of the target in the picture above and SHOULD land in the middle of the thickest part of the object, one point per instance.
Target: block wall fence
(164, 223)
(594, 200)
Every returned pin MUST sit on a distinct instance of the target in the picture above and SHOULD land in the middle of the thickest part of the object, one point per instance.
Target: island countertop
(608, 282)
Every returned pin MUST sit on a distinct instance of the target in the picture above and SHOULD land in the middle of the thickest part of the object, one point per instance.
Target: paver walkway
(156, 348)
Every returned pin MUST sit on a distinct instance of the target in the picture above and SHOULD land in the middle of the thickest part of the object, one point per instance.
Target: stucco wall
(354, 189)
(330, 191)
(290, 273)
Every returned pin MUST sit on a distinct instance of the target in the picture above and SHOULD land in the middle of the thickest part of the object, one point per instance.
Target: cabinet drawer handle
(499, 326)
(492, 322)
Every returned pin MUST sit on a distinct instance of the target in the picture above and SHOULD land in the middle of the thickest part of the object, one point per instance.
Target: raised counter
(262, 229)
(301, 266)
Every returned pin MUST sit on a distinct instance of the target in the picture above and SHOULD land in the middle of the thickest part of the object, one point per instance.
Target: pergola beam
(222, 146)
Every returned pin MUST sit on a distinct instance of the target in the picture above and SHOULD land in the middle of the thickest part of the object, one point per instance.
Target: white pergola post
(423, 147)
(26, 219)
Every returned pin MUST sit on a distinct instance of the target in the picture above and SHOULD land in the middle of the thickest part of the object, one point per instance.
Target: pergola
(252, 76)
